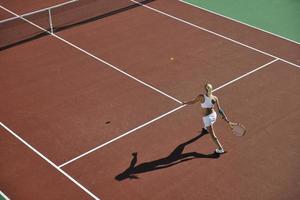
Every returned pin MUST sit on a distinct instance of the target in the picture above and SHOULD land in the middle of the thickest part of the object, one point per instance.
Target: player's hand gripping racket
(237, 129)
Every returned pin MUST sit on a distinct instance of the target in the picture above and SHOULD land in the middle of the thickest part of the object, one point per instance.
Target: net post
(50, 21)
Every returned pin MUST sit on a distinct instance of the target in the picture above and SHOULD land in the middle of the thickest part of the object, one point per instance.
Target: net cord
(37, 11)
(19, 16)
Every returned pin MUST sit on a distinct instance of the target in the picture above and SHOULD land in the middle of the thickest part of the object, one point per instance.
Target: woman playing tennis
(209, 114)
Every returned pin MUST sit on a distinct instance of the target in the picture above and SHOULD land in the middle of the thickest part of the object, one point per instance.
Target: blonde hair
(208, 88)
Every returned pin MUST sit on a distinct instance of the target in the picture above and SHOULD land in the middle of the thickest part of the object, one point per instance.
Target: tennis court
(82, 94)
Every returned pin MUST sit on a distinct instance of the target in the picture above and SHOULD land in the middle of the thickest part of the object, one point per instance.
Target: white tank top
(208, 102)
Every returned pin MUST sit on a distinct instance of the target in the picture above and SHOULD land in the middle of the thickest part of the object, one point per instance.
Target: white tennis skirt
(210, 119)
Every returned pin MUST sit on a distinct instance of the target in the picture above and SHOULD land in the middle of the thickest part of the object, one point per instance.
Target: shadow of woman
(174, 158)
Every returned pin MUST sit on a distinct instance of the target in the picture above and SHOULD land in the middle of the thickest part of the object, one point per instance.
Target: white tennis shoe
(220, 151)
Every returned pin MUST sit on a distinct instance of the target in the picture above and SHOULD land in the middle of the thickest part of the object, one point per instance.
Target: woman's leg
(214, 137)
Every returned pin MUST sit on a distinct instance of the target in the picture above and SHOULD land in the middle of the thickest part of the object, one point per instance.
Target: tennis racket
(237, 129)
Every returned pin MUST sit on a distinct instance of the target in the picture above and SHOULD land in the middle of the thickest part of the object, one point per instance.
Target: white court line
(95, 57)
(161, 116)
(119, 137)
(240, 22)
(3, 195)
(238, 78)
(214, 33)
(49, 161)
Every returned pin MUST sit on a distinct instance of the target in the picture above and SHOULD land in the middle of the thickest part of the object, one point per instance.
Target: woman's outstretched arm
(195, 100)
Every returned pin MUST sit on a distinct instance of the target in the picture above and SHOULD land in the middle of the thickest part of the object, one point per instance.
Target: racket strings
(238, 130)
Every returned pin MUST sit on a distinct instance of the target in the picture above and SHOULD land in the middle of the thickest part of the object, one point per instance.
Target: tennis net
(16, 30)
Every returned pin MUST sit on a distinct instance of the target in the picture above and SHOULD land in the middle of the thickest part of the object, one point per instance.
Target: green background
(281, 17)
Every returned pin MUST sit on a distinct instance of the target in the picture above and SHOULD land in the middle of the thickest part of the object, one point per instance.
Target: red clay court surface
(64, 102)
